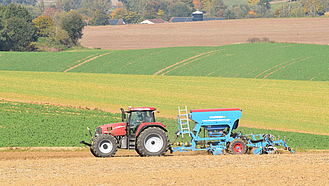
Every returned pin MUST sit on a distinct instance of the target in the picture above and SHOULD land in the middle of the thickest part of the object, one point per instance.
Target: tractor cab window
(149, 117)
(136, 118)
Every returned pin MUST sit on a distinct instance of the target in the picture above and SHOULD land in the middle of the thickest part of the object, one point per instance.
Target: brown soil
(207, 33)
(126, 168)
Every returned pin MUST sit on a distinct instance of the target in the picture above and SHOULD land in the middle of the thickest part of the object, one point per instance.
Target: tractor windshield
(138, 117)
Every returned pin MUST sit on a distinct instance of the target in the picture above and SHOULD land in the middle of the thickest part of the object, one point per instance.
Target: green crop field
(259, 78)
(26, 124)
(272, 104)
(252, 60)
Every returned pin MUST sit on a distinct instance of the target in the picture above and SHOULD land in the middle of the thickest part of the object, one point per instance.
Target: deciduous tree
(152, 9)
(73, 24)
(179, 10)
(16, 28)
(99, 18)
(43, 23)
(20, 34)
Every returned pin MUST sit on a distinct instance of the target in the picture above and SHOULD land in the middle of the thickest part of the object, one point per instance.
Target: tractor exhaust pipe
(89, 132)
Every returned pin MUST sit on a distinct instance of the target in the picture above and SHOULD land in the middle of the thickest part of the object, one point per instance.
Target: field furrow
(86, 61)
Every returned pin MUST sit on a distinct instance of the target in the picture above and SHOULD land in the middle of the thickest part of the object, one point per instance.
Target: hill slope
(207, 33)
(297, 106)
(256, 60)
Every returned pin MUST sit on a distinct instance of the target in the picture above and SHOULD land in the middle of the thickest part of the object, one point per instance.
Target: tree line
(26, 25)
(216, 8)
(20, 32)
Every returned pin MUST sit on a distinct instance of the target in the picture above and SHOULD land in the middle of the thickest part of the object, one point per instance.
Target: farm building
(117, 22)
(197, 16)
(153, 21)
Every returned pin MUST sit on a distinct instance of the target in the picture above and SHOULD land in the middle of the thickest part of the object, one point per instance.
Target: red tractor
(138, 131)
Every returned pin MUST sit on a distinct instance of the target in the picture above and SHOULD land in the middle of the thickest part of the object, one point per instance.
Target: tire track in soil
(86, 61)
(68, 66)
(275, 67)
(286, 66)
(193, 58)
(187, 63)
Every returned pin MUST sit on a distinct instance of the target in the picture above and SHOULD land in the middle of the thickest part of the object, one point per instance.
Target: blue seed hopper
(213, 132)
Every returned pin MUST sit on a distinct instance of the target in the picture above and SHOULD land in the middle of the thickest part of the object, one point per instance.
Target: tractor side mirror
(123, 114)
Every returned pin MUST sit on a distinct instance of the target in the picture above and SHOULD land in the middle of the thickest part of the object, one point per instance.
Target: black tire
(91, 150)
(153, 141)
(238, 146)
(140, 154)
(104, 146)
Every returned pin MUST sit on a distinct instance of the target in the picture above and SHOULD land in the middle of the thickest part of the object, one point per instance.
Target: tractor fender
(112, 134)
(143, 126)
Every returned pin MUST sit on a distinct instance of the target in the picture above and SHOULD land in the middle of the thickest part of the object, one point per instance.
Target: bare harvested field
(81, 168)
(207, 33)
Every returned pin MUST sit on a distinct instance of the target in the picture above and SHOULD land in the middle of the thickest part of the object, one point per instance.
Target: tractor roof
(131, 109)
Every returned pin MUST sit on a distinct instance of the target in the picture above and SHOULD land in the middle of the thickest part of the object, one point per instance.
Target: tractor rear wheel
(104, 146)
(152, 141)
(238, 146)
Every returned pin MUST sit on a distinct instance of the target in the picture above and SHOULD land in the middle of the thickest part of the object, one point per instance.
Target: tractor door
(138, 117)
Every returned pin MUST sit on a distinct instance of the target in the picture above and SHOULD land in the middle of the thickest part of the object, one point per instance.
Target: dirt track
(81, 168)
(207, 33)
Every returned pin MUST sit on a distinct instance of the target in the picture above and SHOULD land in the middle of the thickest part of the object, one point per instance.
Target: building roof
(190, 19)
(153, 21)
(116, 22)
(180, 19)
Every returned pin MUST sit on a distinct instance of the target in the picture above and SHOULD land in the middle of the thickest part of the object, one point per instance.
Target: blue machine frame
(219, 124)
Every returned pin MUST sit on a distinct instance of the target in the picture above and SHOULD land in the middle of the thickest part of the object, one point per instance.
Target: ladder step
(183, 121)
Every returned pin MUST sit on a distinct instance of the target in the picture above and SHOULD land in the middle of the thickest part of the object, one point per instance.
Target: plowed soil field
(126, 168)
(207, 33)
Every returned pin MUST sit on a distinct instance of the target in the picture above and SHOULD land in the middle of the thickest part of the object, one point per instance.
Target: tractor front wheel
(91, 149)
(104, 146)
(152, 141)
(238, 146)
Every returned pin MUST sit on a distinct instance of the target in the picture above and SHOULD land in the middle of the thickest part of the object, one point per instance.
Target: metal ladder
(183, 121)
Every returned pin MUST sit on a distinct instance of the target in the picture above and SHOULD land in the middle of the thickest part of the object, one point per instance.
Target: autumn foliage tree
(118, 13)
(43, 23)
(128, 16)
(152, 9)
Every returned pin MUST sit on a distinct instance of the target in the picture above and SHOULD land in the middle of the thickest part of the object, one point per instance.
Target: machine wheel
(238, 146)
(152, 141)
(91, 150)
(104, 146)
(138, 151)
